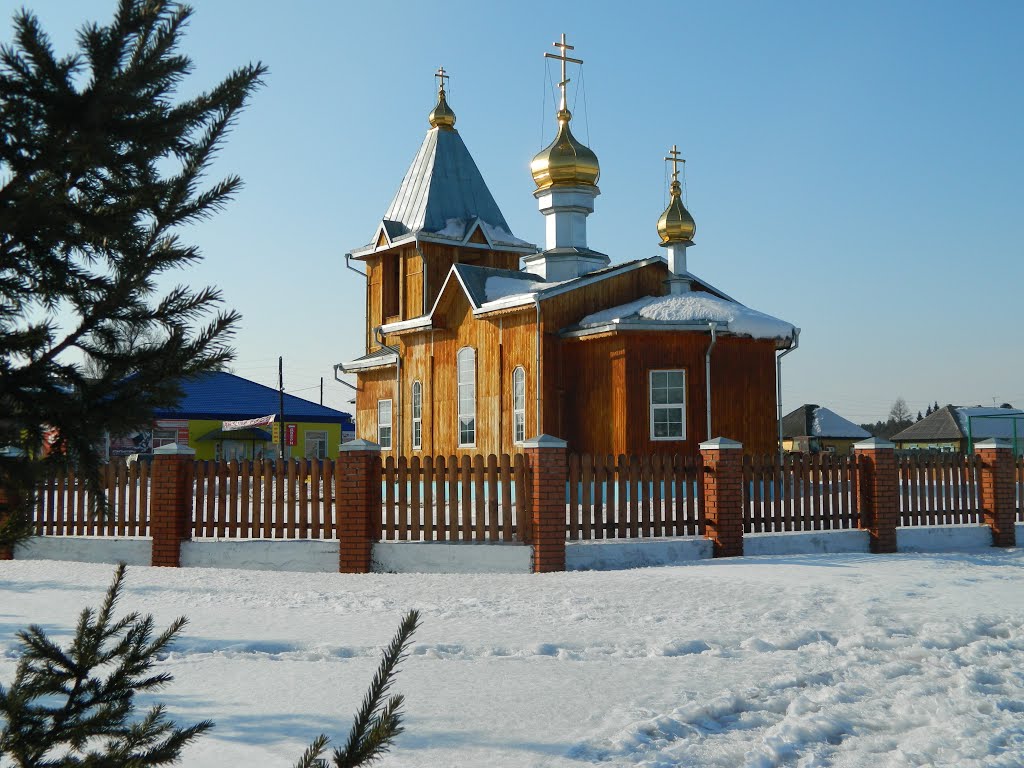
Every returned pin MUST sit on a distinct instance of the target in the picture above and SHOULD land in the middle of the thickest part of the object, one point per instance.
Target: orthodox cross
(675, 160)
(564, 46)
(441, 77)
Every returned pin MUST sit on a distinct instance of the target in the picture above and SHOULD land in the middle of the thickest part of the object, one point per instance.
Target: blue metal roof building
(224, 396)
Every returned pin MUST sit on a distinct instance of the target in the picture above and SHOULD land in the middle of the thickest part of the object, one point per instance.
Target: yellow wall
(206, 449)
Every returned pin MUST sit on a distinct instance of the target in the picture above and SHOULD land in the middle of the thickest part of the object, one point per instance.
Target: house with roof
(198, 421)
(957, 428)
(814, 429)
(477, 340)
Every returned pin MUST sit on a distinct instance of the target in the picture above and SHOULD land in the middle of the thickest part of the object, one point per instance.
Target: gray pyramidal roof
(443, 192)
(938, 425)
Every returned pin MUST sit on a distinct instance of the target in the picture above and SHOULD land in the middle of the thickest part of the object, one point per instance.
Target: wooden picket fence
(633, 497)
(455, 499)
(800, 492)
(64, 506)
(264, 499)
(938, 488)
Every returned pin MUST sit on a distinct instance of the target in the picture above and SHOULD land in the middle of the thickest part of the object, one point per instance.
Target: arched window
(518, 405)
(417, 415)
(467, 396)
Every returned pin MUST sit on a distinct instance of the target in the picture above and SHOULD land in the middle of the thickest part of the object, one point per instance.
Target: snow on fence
(938, 488)
(64, 506)
(455, 499)
(633, 497)
(802, 492)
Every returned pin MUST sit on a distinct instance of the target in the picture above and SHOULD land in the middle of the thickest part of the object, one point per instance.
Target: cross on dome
(564, 46)
(441, 76)
(675, 159)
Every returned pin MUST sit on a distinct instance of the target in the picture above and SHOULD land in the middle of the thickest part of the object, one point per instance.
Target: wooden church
(477, 340)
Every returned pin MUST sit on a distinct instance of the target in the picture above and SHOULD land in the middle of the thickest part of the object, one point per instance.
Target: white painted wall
(87, 549)
(806, 543)
(306, 555)
(436, 557)
(634, 553)
(945, 538)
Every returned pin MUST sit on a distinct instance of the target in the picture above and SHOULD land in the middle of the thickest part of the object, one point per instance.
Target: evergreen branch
(377, 723)
(310, 758)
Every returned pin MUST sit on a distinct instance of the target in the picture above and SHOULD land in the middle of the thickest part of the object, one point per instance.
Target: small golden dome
(565, 162)
(442, 115)
(676, 225)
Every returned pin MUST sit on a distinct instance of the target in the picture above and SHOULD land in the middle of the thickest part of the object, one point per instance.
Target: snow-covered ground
(813, 660)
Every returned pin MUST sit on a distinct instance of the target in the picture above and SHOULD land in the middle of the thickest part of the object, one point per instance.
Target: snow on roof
(826, 423)
(696, 307)
(984, 425)
(501, 287)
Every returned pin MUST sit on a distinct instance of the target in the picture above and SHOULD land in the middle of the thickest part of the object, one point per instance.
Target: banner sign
(262, 421)
(291, 434)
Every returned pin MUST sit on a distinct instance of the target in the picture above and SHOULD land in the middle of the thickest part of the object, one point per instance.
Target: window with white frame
(467, 396)
(668, 405)
(316, 444)
(384, 423)
(417, 415)
(163, 437)
(518, 405)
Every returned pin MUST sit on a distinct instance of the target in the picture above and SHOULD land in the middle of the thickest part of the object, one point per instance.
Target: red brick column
(723, 495)
(170, 506)
(357, 493)
(548, 474)
(997, 495)
(878, 489)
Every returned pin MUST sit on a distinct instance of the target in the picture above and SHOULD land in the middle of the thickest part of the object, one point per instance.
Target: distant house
(812, 429)
(955, 428)
(310, 430)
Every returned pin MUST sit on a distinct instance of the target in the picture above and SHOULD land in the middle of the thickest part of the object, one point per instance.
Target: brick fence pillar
(723, 495)
(548, 474)
(878, 489)
(357, 480)
(997, 496)
(170, 506)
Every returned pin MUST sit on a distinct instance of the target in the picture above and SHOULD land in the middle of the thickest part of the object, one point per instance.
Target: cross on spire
(564, 46)
(675, 159)
(441, 76)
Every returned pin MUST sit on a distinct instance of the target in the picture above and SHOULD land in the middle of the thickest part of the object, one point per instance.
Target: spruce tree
(76, 706)
(101, 167)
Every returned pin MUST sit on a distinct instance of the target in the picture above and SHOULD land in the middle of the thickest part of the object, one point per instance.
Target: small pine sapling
(379, 719)
(76, 706)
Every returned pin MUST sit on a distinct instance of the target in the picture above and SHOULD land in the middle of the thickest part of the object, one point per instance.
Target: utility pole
(321, 390)
(280, 405)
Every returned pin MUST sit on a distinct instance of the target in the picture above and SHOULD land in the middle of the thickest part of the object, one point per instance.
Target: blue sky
(853, 168)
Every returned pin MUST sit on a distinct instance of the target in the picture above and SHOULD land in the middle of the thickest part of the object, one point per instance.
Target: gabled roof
(444, 197)
(489, 289)
(810, 420)
(951, 423)
(222, 395)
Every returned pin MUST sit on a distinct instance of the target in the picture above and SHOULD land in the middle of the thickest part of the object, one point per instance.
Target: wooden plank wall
(455, 498)
(938, 488)
(65, 508)
(803, 492)
(633, 497)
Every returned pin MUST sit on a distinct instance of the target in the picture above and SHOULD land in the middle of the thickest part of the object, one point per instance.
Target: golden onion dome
(676, 224)
(566, 162)
(442, 115)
